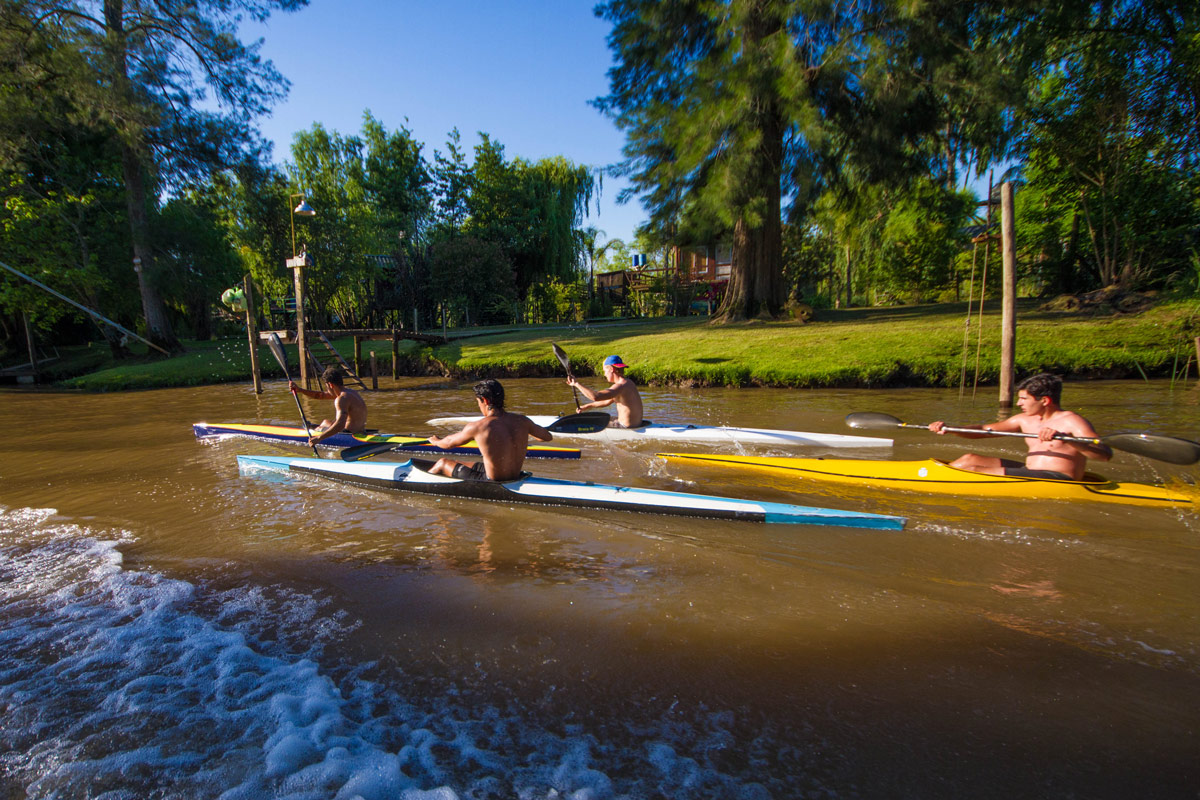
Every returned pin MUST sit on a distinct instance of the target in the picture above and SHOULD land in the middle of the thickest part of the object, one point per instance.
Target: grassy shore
(878, 347)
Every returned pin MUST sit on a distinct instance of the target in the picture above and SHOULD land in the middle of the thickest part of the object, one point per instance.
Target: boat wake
(125, 683)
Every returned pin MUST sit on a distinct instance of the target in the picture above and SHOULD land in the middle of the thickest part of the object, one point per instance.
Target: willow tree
(148, 67)
(530, 209)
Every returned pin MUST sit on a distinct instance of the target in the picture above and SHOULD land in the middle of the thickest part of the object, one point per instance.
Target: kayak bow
(939, 477)
(281, 433)
(411, 476)
(703, 434)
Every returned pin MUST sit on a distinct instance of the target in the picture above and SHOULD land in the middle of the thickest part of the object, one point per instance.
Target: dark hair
(334, 375)
(491, 392)
(1043, 385)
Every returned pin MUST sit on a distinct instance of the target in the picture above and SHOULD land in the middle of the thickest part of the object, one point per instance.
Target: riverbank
(929, 345)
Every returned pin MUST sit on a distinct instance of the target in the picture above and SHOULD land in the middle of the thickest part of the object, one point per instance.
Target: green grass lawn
(902, 346)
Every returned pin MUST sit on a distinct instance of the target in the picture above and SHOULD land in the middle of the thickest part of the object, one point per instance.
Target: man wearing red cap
(623, 392)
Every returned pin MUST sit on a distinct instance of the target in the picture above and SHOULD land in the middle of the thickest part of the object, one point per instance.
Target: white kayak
(412, 476)
(700, 434)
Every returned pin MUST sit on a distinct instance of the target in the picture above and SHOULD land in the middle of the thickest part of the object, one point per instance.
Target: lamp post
(298, 262)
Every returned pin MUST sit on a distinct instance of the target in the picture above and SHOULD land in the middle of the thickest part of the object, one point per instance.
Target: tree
(368, 190)
(1112, 146)
(148, 64)
(530, 209)
(706, 93)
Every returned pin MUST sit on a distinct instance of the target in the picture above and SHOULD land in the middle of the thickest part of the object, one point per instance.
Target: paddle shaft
(588, 422)
(1150, 445)
(276, 347)
(1020, 434)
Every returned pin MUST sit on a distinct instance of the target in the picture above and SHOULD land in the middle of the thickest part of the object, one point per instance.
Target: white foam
(122, 683)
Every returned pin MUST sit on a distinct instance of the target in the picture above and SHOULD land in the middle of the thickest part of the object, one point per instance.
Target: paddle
(1150, 445)
(561, 355)
(587, 422)
(277, 351)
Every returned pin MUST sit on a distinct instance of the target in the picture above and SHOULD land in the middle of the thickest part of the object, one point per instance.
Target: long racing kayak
(411, 476)
(703, 434)
(939, 477)
(296, 435)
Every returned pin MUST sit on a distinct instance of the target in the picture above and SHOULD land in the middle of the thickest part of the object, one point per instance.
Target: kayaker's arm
(539, 433)
(1082, 429)
(455, 439)
(294, 389)
(937, 427)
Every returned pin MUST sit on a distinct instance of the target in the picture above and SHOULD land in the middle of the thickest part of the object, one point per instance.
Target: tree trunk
(756, 286)
(158, 327)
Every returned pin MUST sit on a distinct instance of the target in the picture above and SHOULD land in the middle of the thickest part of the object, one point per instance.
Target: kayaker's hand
(292, 387)
(434, 439)
(571, 381)
(1046, 434)
(312, 440)
(937, 427)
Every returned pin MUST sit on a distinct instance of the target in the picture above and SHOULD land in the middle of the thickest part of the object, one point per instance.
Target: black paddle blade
(277, 351)
(872, 421)
(561, 355)
(585, 422)
(1151, 445)
(361, 451)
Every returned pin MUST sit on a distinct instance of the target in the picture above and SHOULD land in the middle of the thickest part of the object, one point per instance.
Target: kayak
(702, 434)
(932, 475)
(296, 435)
(412, 476)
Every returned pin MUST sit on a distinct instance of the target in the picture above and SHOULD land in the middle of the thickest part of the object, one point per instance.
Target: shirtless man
(1048, 457)
(502, 436)
(350, 412)
(623, 392)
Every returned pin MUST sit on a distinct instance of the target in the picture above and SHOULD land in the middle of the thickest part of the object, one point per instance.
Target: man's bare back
(502, 437)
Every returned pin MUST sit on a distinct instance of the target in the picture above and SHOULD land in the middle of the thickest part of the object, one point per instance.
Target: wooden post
(395, 354)
(357, 355)
(33, 361)
(1008, 317)
(298, 263)
(374, 372)
(252, 332)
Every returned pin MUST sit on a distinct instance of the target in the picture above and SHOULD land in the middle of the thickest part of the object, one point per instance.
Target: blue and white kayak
(283, 433)
(701, 434)
(411, 476)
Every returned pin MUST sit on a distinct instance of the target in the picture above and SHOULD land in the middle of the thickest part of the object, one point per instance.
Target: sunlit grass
(905, 346)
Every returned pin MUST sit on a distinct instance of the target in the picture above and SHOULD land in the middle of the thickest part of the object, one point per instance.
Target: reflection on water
(172, 628)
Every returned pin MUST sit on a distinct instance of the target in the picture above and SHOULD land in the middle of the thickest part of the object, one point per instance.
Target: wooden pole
(297, 264)
(396, 354)
(374, 372)
(358, 355)
(252, 332)
(1008, 318)
(33, 361)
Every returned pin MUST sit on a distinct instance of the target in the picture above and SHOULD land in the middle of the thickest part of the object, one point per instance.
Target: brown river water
(170, 628)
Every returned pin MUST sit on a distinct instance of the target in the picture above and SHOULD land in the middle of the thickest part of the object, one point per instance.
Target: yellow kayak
(939, 477)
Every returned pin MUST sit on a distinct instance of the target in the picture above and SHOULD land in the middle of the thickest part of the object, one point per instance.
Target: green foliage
(473, 278)
(531, 210)
(1111, 179)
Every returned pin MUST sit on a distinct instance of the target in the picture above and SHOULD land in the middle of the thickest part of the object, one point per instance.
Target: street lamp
(304, 210)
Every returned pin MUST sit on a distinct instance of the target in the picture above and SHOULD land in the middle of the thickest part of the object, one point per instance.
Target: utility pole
(1008, 317)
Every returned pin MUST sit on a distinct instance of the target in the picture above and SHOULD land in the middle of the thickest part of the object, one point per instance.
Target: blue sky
(521, 71)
